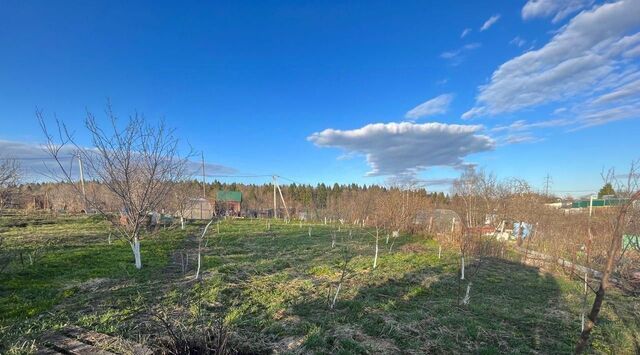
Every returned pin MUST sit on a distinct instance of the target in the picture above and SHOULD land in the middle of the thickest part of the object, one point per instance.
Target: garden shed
(228, 203)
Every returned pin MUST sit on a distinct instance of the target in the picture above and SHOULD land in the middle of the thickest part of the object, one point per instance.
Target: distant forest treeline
(299, 197)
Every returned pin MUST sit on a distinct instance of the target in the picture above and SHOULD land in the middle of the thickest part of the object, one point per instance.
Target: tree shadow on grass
(513, 308)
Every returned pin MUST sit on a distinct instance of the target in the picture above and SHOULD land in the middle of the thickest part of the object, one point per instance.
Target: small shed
(199, 208)
(229, 203)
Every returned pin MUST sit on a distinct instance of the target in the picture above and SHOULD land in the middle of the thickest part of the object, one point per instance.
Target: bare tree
(201, 239)
(346, 258)
(180, 200)
(9, 178)
(138, 163)
(478, 192)
(617, 220)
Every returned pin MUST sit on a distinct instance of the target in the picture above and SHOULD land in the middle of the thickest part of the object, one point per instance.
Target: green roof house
(229, 203)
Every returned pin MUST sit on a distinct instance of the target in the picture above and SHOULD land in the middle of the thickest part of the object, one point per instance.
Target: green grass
(273, 289)
(72, 253)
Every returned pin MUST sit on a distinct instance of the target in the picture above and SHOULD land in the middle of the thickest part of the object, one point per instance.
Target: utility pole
(275, 207)
(204, 191)
(286, 210)
(84, 195)
(547, 183)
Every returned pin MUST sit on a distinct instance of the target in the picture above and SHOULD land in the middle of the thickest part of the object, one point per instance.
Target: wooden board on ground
(76, 340)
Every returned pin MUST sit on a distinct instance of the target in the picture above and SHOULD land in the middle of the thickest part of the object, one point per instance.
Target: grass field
(271, 288)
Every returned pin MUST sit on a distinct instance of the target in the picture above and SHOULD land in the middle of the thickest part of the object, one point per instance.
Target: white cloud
(522, 125)
(465, 32)
(37, 165)
(620, 93)
(517, 41)
(521, 131)
(587, 64)
(522, 138)
(559, 110)
(401, 149)
(456, 56)
(559, 9)
(490, 22)
(473, 112)
(597, 117)
(437, 105)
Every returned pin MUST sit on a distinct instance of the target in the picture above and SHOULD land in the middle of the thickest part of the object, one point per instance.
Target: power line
(230, 176)
(42, 158)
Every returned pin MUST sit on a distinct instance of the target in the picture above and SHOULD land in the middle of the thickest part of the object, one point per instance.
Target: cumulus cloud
(465, 32)
(588, 63)
(437, 105)
(404, 149)
(559, 9)
(490, 22)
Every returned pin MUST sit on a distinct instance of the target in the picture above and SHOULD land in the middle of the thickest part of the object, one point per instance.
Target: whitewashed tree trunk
(204, 232)
(375, 258)
(467, 297)
(387, 242)
(181, 222)
(309, 231)
(439, 251)
(584, 302)
(335, 297)
(109, 239)
(462, 271)
(199, 263)
(135, 247)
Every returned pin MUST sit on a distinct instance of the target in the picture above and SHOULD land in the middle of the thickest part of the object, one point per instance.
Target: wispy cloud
(465, 32)
(401, 149)
(455, 57)
(490, 22)
(522, 131)
(559, 9)
(437, 105)
(590, 64)
(518, 41)
(37, 165)
(519, 139)
(522, 125)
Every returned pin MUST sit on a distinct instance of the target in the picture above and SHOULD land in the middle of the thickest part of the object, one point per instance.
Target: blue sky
(342, 91)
